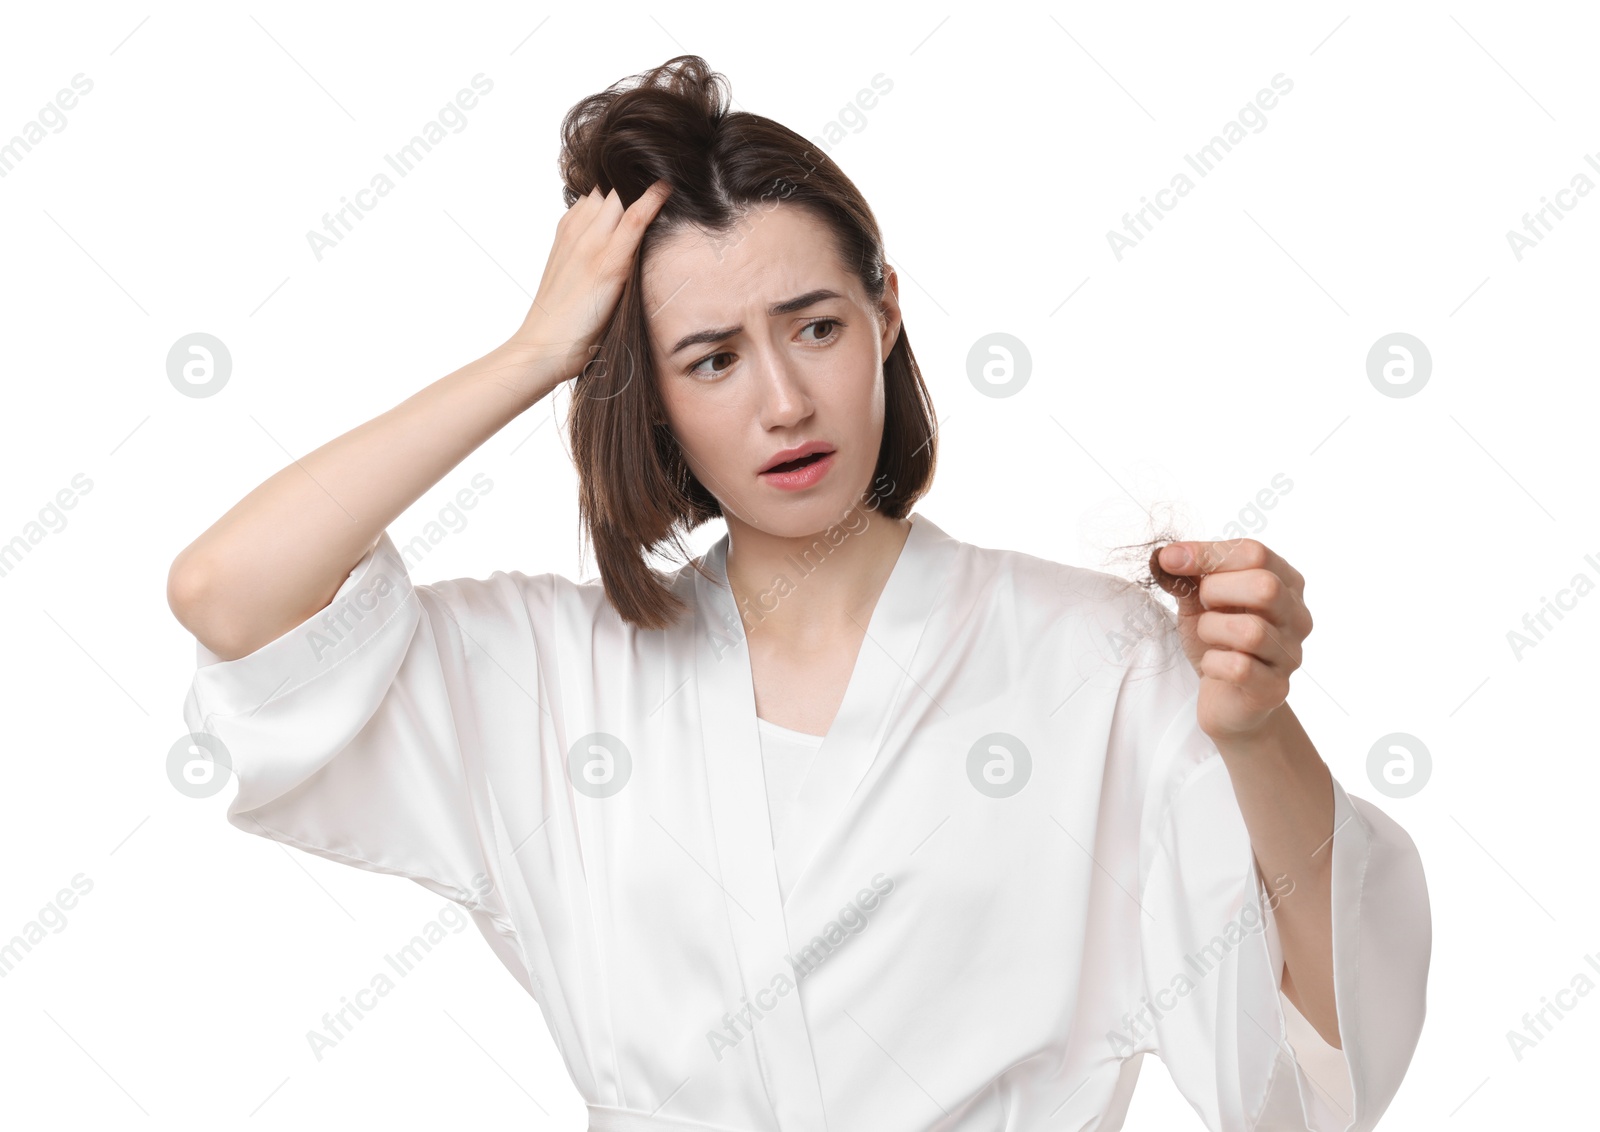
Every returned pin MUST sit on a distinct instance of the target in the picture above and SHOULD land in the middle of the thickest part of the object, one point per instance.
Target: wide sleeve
(363, 734)
(1210, 961)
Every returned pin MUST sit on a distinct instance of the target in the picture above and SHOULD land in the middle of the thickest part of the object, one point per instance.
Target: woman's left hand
(1241, 629)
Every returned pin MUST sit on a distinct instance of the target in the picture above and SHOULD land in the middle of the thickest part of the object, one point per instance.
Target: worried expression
(769, 356)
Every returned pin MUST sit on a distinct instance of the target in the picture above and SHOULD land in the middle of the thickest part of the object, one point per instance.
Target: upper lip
(788, 454)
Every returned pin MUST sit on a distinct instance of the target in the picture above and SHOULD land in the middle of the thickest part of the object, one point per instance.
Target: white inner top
(786, 759)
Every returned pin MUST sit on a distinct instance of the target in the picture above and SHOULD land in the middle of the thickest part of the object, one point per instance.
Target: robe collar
(881, 687)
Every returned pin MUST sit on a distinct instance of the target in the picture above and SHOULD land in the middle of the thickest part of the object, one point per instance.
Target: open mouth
(795, 465)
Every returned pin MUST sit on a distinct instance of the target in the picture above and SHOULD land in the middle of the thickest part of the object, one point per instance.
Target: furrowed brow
(788, 306)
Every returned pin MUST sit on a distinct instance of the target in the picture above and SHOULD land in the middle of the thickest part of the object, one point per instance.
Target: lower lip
(800, 478)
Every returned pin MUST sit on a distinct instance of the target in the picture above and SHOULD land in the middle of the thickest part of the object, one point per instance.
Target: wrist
(532, 369)
(1269, 737)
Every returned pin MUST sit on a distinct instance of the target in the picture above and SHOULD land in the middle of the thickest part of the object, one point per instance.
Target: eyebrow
(788, 306)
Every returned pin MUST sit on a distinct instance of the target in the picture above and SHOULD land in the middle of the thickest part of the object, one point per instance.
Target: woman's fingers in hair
(595, 221)
(626, 226)
(639, 214)
(580, 208)
(602, 217)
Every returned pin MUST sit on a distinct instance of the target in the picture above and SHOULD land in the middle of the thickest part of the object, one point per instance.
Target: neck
(813, 586)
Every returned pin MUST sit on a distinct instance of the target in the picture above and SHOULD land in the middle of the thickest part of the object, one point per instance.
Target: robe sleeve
(362, 734)
(1211, 965)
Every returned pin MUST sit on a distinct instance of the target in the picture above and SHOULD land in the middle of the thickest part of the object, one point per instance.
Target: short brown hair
(635, 491)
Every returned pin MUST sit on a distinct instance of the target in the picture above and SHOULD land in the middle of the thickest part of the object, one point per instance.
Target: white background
(1228, 347)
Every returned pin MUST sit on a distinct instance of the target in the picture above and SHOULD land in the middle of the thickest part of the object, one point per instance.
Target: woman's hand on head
(590, 259)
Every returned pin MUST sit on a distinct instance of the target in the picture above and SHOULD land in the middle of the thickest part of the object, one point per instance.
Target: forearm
(282, 551)
(1285, 793)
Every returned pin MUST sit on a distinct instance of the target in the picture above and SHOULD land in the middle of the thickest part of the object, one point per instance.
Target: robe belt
(603, 1118)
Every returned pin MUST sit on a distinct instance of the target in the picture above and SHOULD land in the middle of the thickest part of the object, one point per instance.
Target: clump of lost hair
(1137, 569)
(636, 493)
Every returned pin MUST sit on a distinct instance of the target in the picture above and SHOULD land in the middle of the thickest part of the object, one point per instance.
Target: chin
(802, 517)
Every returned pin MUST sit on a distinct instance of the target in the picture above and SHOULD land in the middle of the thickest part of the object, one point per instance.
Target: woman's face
(742, 384)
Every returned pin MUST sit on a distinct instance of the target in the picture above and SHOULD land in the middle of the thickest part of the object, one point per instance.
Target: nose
(784, 402)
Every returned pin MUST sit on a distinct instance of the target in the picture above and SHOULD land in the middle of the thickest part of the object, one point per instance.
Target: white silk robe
(1018, 864)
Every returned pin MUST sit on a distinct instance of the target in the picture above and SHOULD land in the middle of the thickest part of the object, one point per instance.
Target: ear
(889, 308)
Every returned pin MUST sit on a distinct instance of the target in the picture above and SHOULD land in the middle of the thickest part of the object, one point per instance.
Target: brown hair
(635, 490)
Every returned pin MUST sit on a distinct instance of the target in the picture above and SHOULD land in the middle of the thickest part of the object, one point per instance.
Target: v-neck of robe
(721, 568)
(747, 868)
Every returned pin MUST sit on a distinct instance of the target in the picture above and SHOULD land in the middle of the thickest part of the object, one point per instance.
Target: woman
(848, 823)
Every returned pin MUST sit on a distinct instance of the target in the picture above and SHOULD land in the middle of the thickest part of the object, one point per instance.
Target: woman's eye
(829, 322)
(699, 370)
